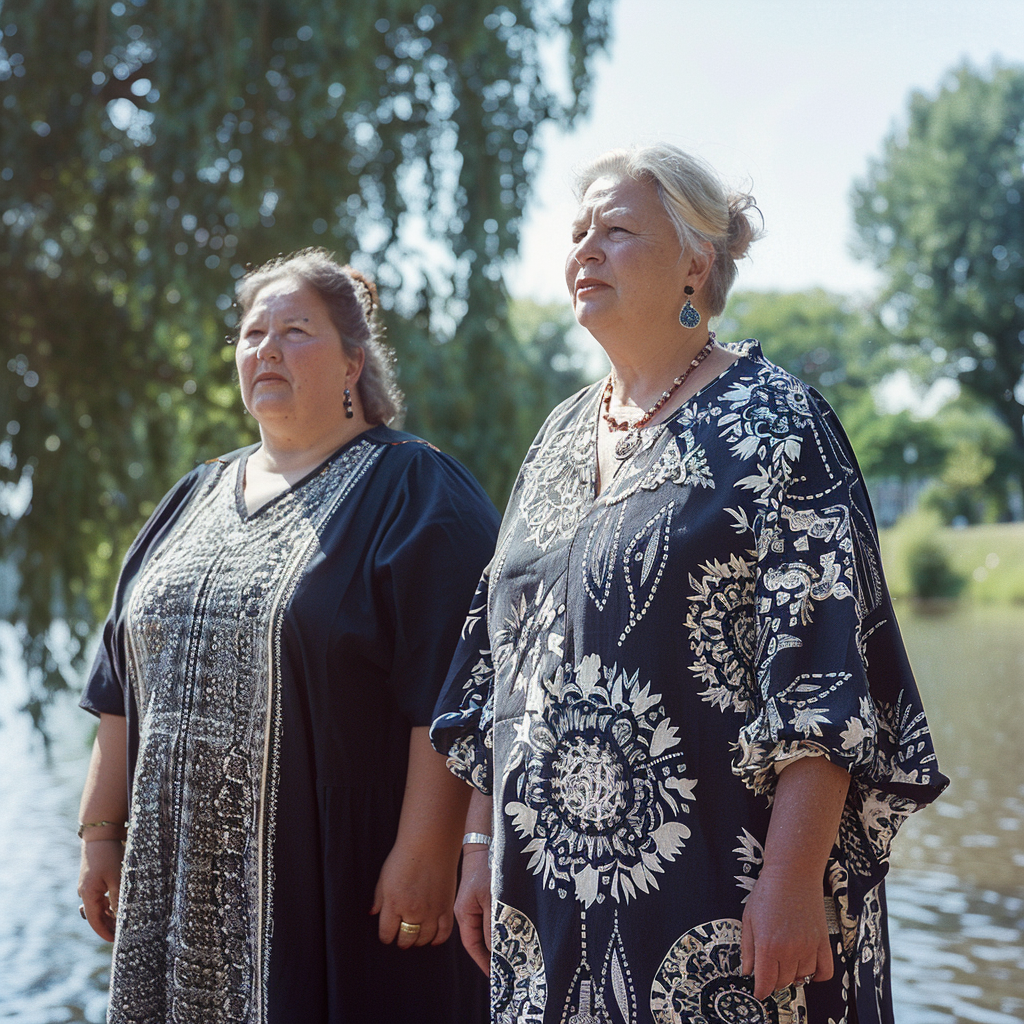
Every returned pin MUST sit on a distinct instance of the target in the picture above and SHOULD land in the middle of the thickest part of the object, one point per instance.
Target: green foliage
(977, 464)
(826, 340)
(927, 562)
(930, 573)
(942, 214)
(148, 150)
(989, 557)
(554, 367)
(840, 349)
(895, 445)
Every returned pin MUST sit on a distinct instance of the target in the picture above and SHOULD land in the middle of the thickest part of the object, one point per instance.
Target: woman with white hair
(681, 694)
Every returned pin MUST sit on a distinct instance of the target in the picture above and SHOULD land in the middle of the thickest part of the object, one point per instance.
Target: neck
(641, 372)
(292, 458)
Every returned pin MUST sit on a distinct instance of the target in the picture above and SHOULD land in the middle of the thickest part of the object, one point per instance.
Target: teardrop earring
(689, 315)
(346, 401)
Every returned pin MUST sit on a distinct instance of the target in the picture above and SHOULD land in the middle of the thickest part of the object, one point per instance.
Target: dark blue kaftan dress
(634, 669)
(271, 665)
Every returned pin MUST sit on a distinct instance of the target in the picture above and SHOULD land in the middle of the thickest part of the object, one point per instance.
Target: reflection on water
(956, 896)
(957, 950)
(971, 670)
(52, 967)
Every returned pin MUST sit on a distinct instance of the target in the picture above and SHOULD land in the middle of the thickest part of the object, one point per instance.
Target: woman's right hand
(99, 884)
(473, 907)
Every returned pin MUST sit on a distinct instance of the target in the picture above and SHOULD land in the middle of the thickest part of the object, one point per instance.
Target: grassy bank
(989, 557)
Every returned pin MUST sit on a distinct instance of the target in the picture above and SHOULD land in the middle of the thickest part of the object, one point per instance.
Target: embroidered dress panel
(204, 662)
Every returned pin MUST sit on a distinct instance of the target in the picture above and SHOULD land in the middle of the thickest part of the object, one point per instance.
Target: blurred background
(151, 149)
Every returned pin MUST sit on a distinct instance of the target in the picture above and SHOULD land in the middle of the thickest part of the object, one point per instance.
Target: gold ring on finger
(409, 929)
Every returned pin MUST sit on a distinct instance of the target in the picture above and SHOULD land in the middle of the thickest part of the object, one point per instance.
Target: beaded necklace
(627, 445)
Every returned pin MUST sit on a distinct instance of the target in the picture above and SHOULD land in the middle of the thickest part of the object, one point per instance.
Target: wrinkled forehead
(612, 195)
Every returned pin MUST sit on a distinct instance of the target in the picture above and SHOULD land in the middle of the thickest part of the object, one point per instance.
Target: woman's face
(625, 269)
(292, 366)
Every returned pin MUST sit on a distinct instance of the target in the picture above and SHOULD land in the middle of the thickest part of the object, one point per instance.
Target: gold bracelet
(83, 825)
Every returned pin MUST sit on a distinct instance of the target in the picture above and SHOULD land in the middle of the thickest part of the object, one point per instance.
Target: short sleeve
(439, 535)
(104, 687)
(832, 676)
(464, 716)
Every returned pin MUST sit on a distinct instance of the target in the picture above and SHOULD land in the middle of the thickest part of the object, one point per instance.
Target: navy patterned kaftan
(271, 665)
(634, 669)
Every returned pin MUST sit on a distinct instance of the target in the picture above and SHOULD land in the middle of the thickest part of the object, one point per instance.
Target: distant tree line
(941, 214)
(961, 462)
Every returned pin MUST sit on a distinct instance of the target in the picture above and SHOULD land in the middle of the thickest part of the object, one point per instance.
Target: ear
(701, 262)
(355, 365)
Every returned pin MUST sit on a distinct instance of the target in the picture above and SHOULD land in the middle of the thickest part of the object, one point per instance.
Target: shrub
(929, 569)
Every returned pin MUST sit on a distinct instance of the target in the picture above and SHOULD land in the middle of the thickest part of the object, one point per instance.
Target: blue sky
(791, 96)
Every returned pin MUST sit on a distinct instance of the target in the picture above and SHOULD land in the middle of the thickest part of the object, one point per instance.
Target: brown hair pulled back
(352, 303)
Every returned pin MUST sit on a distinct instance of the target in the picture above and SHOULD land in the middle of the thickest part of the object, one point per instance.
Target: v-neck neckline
(595, 430)
(240, 506)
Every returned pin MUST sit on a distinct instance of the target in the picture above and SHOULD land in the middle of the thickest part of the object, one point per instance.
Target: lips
(587, 285)
(267, 377)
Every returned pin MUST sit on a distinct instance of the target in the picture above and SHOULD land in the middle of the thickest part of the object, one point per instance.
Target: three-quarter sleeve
(439, 535)
(832, 677)
(464, 716)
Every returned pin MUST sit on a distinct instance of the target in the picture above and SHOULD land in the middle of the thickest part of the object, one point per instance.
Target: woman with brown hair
(279, 633)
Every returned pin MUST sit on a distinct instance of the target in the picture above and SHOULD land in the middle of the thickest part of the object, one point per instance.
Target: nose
(586, 250)
(269, 347)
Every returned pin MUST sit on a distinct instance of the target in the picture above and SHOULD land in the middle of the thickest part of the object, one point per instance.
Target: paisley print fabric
(635, 669)
(699, 981)
(271, 666)
(202, 620)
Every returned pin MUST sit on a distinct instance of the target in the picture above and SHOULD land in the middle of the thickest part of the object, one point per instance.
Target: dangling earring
(689, 316)
(347, 402)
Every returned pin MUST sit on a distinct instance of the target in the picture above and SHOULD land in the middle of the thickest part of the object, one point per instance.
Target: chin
(586, 315)
(266, 409)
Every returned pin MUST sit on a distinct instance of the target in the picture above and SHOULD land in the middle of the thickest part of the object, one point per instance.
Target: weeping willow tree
(151, 149)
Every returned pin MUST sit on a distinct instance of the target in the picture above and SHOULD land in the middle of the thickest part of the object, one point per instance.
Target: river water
(956, 891)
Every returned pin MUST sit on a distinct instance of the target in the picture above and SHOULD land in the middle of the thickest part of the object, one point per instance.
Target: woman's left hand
(417, 882)
(416, 886)
(785, 934)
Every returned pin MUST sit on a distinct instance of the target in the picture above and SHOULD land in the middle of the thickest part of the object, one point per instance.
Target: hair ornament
(366, 289)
